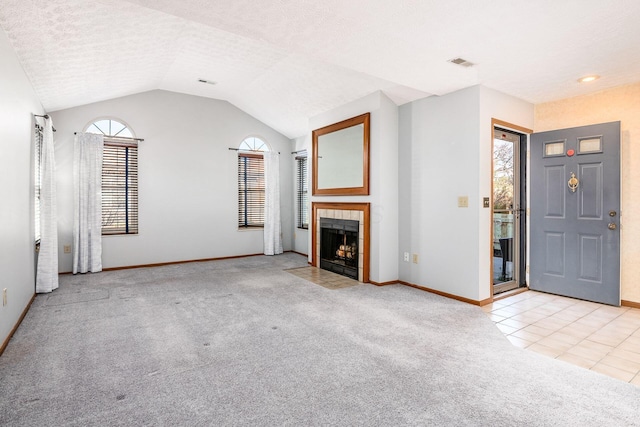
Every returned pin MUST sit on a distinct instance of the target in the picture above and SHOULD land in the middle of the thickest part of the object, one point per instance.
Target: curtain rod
(120, 137)
(249, 151)
(299, 151)
(45, 116)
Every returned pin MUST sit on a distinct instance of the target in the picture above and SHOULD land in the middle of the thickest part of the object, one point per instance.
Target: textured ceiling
(284, 61)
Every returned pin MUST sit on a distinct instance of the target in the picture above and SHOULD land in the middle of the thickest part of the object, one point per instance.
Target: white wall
(187, 178)
(383, 179)
(444, 153)
(439, 160)
(384, 218)
(17, 104)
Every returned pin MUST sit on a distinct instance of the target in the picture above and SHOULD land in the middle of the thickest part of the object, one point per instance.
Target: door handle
(612, 226)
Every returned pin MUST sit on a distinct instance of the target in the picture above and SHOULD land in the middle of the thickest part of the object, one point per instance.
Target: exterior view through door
(575, 212)
(508, 205)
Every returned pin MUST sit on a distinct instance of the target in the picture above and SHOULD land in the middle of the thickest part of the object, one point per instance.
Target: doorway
(509, 207)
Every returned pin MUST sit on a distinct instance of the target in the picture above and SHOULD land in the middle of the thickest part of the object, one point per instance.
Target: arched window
(119, 176)
(110, 127)
(253, 143)
(251, 182)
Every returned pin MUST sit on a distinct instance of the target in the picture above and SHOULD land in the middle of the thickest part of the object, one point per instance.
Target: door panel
(574, 252)
(590, 257)
(591, 193)
(555, 254)
(555, 200)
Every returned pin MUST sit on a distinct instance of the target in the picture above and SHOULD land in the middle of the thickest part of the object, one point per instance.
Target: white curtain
(47, 271)
(87, 198)
(272, 224)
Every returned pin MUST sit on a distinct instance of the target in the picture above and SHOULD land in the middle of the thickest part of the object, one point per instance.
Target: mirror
(341, 158)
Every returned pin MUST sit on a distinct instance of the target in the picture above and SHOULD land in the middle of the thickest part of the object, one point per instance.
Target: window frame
(38, 141)
(114, 144)
(127, 171)
(251, 147)
(302, 192)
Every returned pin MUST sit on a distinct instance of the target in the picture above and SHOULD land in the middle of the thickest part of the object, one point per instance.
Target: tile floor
(594, 336)
(323, 278)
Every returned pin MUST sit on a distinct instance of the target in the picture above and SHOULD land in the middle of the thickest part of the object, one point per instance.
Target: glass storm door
(506, 212)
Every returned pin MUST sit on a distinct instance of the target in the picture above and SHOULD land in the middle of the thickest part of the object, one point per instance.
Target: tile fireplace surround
(353, 211)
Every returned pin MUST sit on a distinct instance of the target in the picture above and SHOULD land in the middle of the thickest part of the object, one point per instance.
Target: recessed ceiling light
(587, 79)
(209, 82)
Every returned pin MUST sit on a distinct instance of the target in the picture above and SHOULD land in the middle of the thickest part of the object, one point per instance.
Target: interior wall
(621, 103)
(383, 181)
(439, 160)
(384, 216)
(444, 154)
(17, 104)
(188, 198)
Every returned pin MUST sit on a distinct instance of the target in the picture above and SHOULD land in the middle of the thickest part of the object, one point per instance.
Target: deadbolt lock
(612, 213)
(612, 226)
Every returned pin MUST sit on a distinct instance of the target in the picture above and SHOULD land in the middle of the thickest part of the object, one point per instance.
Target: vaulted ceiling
(284, 61)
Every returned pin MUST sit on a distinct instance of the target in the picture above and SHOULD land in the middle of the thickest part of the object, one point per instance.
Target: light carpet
(242, 342)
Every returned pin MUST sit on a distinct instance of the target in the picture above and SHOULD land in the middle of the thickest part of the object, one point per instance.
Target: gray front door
(575, 212)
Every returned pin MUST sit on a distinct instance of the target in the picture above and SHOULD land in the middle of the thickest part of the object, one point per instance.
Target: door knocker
(573, 182)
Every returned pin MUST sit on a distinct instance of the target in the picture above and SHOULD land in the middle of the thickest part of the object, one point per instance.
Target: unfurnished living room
(343, 213)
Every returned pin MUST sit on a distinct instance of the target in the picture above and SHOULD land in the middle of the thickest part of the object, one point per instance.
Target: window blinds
(38, 137)
(250, 190)
(302, 193)
(119, 188)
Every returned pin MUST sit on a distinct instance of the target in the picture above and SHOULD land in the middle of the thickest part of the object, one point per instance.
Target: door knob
(612, 213)
(612, 226)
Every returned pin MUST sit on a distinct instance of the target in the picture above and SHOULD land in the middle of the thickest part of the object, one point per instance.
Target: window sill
(242, 229)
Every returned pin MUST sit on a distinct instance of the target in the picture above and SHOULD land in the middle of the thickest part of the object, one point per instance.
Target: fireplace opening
(339, 246)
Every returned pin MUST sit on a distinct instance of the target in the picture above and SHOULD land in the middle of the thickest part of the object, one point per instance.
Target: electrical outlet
(463, 201)
(67, 249)
(406, 257)
(486, 203)
(4, 297)
(415, 258)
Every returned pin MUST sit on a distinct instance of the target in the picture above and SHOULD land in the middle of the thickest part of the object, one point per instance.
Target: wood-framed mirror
(341, 158)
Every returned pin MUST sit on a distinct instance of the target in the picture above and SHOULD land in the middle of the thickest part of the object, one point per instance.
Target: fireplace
(339, 246)
(350, 212)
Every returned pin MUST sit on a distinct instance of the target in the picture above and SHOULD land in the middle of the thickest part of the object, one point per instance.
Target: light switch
(485, 202)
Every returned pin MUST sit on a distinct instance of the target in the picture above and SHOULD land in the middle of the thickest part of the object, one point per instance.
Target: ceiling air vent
(462, 61)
